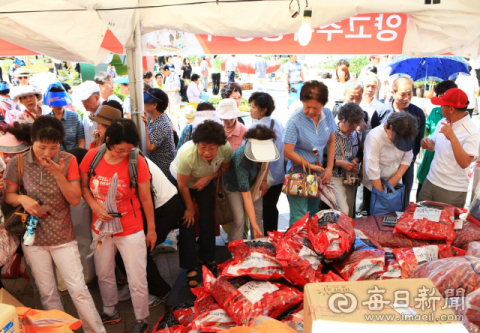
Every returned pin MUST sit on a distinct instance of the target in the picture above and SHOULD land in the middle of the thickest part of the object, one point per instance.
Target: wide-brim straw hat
(227, 109)
(22, 91)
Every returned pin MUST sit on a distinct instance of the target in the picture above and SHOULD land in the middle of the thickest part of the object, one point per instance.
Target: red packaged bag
(255, 258)
(331, 277)
(366, 262)
(168, 323)
(331, 233)
(410, 259)
(209, 315)
(244, 299)
(428, 220)
(452, 274)
(469, 233)
(393, 270)
(295, 320)
(184, 316)
(472, 311)
(300, 263)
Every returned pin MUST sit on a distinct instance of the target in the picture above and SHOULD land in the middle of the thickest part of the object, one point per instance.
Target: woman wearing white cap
(228, 113)
(241, 176)
(29, 97)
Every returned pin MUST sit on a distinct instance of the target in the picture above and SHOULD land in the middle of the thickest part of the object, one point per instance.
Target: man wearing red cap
(455, 142)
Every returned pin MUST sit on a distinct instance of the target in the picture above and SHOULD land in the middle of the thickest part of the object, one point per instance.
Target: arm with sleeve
(372, 158)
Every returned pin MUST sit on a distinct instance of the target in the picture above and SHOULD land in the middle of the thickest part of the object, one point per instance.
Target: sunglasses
(23, 77)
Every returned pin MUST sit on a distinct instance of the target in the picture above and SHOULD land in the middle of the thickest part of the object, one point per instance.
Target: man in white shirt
(369, 103)
(172, 88)
(89, 93)
(455, 142)
(231, 67)
(261, 66)
(469, 84)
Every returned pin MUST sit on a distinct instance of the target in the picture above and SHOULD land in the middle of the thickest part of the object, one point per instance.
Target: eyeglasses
(22, 77)
(122, 151)
(210, 150)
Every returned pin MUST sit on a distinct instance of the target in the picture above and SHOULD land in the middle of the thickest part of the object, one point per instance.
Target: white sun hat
(85, 90)
(22, 91)
(261, 150)
(227, 109)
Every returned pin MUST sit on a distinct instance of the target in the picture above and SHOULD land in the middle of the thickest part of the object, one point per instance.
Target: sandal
(193, 278)
(212, 266)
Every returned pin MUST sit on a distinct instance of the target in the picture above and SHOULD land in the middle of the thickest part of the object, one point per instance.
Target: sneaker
(124, 294)
(140, 326)
(113, 319)
(153, 300)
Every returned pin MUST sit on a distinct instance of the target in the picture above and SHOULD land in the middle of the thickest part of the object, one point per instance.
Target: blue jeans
(230, 76)
(299, 206)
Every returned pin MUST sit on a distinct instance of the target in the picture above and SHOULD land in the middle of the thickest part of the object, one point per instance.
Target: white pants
(175, 115)
(67, 259)
(345, 196)
(134, 254)
(261, 82)
(236, 202)
(204, 81)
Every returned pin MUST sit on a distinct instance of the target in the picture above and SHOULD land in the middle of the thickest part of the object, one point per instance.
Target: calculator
(390, 221)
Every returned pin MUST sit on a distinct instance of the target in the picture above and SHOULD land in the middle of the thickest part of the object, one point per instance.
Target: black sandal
(212, 266)
(193, 278)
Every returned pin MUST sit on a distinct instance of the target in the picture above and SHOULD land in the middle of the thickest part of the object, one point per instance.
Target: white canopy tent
(74, 29)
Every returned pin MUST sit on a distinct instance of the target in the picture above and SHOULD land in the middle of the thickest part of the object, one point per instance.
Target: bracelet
(399, 176)
(264, 180)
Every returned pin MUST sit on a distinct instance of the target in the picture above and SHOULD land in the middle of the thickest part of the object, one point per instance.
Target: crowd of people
(190, 152)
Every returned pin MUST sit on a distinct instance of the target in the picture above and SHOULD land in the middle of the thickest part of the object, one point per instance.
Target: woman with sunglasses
(348, 154)
(121, 138)
(198, 162)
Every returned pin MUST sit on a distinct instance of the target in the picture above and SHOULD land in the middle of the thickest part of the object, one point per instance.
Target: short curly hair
(314, 90)
(351, 112)
(404, 124)
(263, 100)
(229, 88)
(209, 132)
(260, 132)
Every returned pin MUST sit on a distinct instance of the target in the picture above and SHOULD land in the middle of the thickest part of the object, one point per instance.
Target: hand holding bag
(16, 217)
(300, 184)
(223, 210)
(385, 203)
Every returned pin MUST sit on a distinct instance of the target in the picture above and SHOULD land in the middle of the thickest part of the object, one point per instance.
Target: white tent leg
(135, 75)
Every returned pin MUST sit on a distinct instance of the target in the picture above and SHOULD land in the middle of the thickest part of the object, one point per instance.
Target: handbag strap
(341, 146)
(21, 186)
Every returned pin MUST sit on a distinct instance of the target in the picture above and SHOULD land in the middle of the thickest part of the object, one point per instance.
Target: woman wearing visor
(241, 177)
(388, 153)
(159, 141)
(57, 98)
(348, 155)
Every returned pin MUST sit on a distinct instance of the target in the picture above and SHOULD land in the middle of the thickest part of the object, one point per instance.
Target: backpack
(132, 169)
(183, 89)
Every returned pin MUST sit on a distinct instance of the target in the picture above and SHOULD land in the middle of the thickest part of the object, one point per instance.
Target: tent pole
(135, 75)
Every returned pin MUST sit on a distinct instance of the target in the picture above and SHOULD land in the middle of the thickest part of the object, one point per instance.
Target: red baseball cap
(455, 98)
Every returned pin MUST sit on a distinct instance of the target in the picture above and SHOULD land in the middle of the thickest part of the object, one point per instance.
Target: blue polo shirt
(301, 132)
(73, 130)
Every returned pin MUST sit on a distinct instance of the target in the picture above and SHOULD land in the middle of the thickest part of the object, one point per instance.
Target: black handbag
(16, 217)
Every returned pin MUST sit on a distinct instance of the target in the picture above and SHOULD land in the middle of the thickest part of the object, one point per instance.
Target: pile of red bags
(428, 220)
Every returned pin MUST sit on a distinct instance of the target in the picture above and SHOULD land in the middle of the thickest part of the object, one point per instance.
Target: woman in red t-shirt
(121, 138)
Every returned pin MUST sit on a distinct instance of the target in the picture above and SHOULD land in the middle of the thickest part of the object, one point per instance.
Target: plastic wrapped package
(331, 277)
(332, 235)
(184, 316)
(244, 299)
(365, 262)
(393, 270)
(299, 261)
(471, 328)
(469, 233)
(295, 320)
(472, 311)
(428, 220)
(209, 315)
(410, 259)
(473, 249)
(255, 258)
(168, 323)
(452, 274)
(263, 325)
(373, 227)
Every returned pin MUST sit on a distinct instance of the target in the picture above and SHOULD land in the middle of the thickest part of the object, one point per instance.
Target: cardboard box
(8, 312)
(7, 298)
(366, 306)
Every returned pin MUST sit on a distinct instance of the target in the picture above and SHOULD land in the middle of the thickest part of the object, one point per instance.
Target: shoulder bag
(351, 178)
(223, 210)
(16, 217)
(389, 201)
(300, 184)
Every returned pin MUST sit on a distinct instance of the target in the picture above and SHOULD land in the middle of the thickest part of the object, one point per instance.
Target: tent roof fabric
(75, 29)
